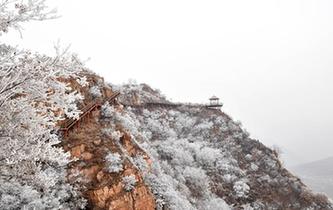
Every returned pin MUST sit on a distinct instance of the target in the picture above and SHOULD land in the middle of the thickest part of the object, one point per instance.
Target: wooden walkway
(86, 113)
(168, 105)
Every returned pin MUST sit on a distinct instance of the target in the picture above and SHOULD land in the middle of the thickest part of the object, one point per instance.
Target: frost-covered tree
(141, 163)
(178, 175)
(204, 160)
(197, 181)
(129, 182)
(95, 91)
(241, 189)
(107, 110)
(214, 204)
(114, 163)
(32, 100)
(15, 12)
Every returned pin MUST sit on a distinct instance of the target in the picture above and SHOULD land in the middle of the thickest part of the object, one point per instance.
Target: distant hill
(318, 175)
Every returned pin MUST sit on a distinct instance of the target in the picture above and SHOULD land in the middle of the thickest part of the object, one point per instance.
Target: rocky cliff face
(89, 146)
(136, 155)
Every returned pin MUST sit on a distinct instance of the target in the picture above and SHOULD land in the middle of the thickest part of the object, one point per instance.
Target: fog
(270, 61)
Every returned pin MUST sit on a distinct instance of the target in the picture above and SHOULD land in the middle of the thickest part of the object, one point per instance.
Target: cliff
(89, 146)
(143, 152)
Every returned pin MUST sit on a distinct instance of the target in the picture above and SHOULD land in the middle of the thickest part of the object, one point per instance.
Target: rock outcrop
(88, 147)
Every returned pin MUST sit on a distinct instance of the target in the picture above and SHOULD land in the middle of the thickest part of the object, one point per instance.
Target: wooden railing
(86, 111)
(214, 107)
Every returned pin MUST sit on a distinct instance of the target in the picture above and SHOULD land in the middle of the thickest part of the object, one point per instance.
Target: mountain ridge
(317, 174)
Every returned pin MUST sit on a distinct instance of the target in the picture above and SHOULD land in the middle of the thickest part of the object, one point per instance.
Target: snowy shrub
(228, 165)
(234, 126)
(116, 135)
(248, 157)
(207, 156)
(107, 111)
(214, 204)
(270, 163)
(248, 207)
(183, 123)
(16, 196)
(114, 163)
(196, 180)
(95, 91)
(82, 81)
(164, 188)
(127, 120)
(13, 195)
(129, 182)
(203, 127)
(110, 132)
(254, 167)
(241, 189)
(181, 157)
(246, 134)
(229, 178)
(173, 150)
(140, 163)
(194, 155)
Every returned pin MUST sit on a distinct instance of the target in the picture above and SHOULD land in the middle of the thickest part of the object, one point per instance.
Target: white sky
(270, 61)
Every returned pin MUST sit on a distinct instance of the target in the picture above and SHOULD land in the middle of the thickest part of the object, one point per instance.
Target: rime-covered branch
(31, 93)
(13, 13)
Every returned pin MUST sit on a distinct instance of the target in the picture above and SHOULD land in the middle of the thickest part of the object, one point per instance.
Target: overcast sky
(270, 61)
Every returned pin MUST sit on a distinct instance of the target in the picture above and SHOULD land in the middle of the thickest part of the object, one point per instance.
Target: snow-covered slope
(202, 159)
(141, 153)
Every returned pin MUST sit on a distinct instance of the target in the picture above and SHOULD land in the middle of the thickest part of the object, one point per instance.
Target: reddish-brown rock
(86, 156)
(102, 189)
(77, 151)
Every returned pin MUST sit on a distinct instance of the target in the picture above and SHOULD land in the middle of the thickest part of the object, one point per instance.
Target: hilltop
(145, 152)
(68, 143)
(70, 140)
